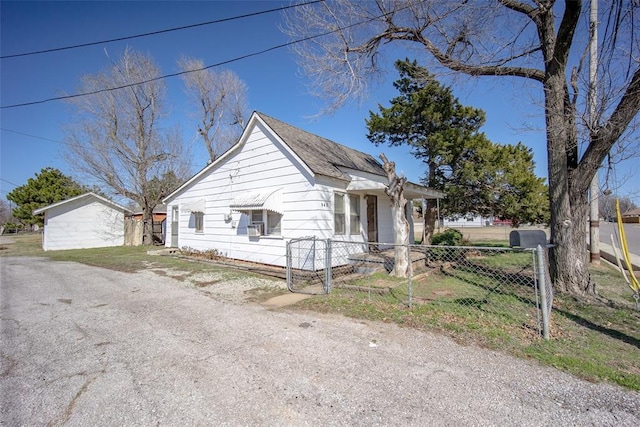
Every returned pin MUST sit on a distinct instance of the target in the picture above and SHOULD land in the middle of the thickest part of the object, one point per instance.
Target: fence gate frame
(312, 267)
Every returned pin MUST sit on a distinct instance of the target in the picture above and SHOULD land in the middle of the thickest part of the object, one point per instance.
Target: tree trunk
(400, 224)
(569, 205)
(147, 225)
(401, 239)
(569, 234)
(430, 216)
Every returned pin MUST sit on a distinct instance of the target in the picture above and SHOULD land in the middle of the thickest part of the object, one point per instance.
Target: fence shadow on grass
(612, 333)
(499, 277)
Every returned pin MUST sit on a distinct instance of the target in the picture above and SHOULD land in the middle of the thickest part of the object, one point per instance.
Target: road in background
(632, 232)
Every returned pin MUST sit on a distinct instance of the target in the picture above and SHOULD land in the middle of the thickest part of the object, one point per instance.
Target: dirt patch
(205, 284)
(260, 295)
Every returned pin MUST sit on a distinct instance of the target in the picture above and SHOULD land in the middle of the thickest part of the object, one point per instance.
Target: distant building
(632, 216)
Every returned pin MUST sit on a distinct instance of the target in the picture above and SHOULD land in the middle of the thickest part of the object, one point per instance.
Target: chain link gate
(306, 266)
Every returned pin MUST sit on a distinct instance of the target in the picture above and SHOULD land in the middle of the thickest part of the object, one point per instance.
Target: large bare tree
(117, 140)
(395, 191)
(541, 41)
(221, 97)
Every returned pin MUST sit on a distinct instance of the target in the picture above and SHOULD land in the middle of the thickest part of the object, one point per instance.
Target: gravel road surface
(89, 346)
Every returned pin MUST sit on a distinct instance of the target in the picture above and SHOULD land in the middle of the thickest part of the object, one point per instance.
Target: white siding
(262, 164)
(85, 223)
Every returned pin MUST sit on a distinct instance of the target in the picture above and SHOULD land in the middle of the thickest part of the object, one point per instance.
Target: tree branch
(604, 137)
(477, 70)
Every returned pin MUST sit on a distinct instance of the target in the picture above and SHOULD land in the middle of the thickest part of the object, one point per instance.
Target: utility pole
(594, 214)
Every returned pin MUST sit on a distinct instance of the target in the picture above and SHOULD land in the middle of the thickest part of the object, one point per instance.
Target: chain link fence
(503, 283)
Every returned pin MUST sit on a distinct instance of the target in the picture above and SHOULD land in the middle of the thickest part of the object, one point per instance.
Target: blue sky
(275, 86)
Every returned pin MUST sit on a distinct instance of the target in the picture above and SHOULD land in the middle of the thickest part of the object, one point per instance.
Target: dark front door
(372, 218)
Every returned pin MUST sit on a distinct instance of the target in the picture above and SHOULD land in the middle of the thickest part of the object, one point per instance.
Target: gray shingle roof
(321, 155)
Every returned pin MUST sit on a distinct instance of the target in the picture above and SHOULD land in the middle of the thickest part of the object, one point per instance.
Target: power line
(166, 76)
(9, 182)
(190, 143)
(153, 33)
(33, 136)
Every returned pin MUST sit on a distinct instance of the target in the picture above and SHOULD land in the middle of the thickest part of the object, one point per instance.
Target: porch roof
(411, 190)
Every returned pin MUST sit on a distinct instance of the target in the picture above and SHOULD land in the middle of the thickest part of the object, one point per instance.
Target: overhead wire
(180, 73)
(153, 33)
(189, 144)
(9, 182)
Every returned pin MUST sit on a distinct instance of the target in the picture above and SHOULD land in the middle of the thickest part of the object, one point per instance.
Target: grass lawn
(595, 340)
(120, 258)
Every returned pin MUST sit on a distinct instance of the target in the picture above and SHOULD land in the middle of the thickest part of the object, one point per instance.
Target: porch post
(408, 211)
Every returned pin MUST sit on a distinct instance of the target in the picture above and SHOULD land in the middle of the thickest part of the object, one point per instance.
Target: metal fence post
(543, 292)
(289, 261)
(327, 264)
(410, 268)
(313, 251)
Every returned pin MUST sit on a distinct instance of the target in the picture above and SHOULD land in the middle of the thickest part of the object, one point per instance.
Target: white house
(85, 221)
(467, 221)
(279, 183)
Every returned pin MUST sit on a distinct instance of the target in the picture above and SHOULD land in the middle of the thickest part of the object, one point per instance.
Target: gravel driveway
(89, 346)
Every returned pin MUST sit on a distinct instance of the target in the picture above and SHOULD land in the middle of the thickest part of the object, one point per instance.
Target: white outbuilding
(85, 221)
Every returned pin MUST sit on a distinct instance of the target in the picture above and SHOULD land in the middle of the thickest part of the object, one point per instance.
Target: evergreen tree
(478, 176)
(48, 187)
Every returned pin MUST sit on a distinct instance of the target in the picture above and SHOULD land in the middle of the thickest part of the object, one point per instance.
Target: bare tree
(607, 205)
(6, 213)
(117, 140)
(222, 100)
(395, 192)
(541, 41)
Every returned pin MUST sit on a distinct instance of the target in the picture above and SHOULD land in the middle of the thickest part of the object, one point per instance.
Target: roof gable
(82, 196)
(321, 155)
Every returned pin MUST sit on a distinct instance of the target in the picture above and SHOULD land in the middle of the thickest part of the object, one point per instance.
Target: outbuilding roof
(82, 196)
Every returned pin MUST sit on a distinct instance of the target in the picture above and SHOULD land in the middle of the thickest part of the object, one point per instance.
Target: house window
(338, 214)
(256, 217)
(354, 214)
(199, 221)
(273, 226)
(273, 223)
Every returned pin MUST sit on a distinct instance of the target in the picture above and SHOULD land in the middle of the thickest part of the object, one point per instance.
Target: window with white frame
(272, 225)
(354, 214)
(338, 214)
(199, 221)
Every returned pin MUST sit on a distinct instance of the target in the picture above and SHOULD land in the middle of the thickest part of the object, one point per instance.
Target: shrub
(207, 254)
(449, 237)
